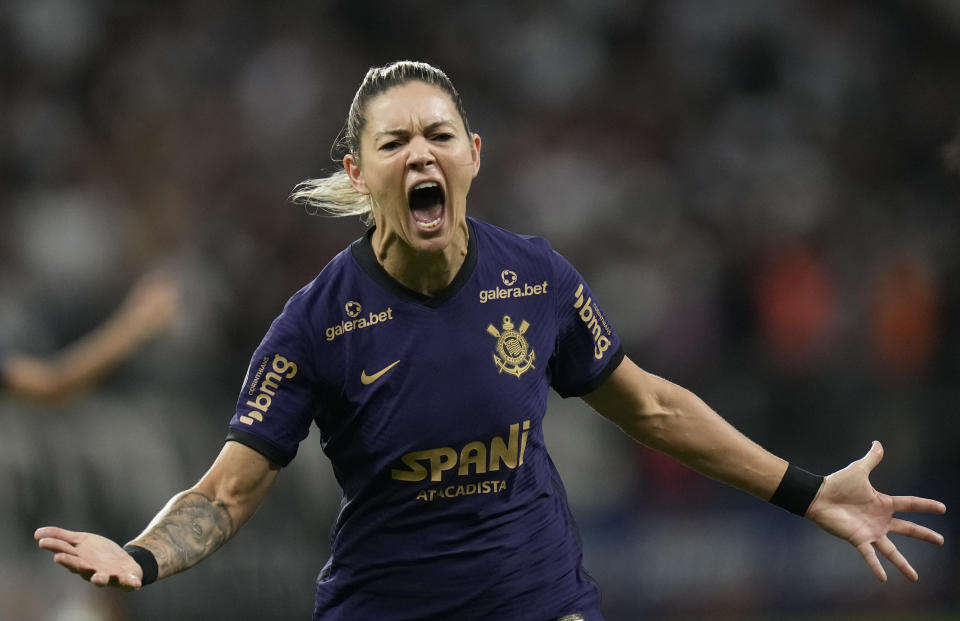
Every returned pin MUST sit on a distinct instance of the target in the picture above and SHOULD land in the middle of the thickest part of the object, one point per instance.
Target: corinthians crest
(511, 354)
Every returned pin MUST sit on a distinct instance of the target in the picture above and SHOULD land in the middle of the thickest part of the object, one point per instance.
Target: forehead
(413, 104)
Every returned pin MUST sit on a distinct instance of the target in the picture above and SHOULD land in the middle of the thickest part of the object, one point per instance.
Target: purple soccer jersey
(430, 410)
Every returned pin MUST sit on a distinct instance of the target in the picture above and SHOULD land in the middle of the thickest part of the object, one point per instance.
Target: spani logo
(591, 316)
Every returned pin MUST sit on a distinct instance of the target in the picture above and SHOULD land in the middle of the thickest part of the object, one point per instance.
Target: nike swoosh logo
(369, 379)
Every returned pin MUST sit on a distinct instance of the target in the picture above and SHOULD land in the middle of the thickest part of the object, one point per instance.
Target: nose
(419, 154)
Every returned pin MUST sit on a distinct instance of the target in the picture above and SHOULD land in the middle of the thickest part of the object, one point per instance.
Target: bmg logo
(590, 315)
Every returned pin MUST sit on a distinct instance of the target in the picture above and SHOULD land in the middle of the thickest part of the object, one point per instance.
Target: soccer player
(424, 352)
(146, 310)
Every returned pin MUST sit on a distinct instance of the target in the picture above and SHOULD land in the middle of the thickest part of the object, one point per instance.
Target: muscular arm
(196, 522)
(671, 419)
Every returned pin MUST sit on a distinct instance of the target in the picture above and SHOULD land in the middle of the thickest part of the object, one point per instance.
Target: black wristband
(147, 562)
(797, 490)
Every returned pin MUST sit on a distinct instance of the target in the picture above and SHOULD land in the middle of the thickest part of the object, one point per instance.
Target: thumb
(873, 456)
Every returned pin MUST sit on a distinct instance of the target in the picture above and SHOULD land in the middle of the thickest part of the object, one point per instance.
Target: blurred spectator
(951, 154)
(796, 305)
(147, 310)
(904, 316)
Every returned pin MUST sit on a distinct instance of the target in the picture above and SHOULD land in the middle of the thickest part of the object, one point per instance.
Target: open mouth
(426, 205)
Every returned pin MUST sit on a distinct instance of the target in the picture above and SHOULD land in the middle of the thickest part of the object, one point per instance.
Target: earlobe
(476, 154)
(352, 167)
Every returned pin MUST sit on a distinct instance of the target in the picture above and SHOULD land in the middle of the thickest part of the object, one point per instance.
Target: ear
(352, 166)
(476, 154)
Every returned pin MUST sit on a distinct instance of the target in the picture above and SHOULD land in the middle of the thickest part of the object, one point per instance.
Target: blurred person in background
(951, 154)
(424, 353)
(147, 310)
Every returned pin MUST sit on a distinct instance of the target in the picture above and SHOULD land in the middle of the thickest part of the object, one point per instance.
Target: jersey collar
(362, 251)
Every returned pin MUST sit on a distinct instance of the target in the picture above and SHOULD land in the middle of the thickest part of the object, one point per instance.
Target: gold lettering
(416, 470)
(441, 459)
(281, 365)
(507, 453)
(473, 453)
(586, 313)
(603, 344)
(523, 441)
(270, 383)
(261, 402)
(474, 458)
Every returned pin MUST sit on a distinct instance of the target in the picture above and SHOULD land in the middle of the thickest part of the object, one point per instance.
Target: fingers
(128, 582)
(916, 504)
(873, 456)
(909, 529)
(57, 546)
(890, 551)
(74, 563)
(870, 556)
(58, 533)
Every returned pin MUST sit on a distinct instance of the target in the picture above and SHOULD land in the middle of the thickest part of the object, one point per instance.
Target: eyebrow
(402, 133)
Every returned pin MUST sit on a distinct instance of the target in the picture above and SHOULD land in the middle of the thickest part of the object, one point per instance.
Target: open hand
(94, 558)
(847, 506)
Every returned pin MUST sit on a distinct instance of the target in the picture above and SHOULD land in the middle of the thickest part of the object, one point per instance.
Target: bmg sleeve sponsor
(590, 315)
(280, 369)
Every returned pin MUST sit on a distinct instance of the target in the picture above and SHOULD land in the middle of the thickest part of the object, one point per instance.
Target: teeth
(425, 184)
(430, 225)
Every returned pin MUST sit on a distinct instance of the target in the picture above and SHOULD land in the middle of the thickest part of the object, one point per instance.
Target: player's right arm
(191, 526)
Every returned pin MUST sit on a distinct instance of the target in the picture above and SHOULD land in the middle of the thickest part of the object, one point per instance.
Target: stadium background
(755, 189)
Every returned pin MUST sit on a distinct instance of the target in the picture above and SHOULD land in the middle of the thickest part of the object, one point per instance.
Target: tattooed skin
(192, 528)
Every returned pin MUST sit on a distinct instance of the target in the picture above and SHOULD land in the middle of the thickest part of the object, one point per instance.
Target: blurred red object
(904, 321)
(795, 296)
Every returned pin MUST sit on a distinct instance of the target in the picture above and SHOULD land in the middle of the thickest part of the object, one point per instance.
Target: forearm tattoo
(191, 529)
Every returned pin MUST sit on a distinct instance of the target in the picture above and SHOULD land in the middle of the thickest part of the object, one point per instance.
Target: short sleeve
(588, 349)
(276, 405)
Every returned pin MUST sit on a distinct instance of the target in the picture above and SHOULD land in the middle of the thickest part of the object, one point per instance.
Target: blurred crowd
(759, 192)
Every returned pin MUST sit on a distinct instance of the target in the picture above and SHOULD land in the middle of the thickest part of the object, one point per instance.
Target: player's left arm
(671, 419)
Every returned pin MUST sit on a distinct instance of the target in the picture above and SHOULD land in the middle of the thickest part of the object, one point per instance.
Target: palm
(849, 507)
(94, 558)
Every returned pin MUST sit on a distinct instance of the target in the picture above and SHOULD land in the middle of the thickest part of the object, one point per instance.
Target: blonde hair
(334, 195)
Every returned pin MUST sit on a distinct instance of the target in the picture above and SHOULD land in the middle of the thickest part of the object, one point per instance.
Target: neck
(421, 271)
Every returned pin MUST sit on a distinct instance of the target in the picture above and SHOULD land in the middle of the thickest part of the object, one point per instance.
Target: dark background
(755, 190)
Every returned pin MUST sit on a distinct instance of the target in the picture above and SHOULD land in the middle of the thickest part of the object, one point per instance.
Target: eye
(389, 146)
(442, 137)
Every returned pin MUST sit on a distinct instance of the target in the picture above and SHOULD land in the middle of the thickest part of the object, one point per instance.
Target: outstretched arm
(147, 309)
(192, 525)
(671, 419)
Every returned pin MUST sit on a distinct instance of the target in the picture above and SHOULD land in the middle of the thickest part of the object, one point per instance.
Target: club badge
(511, 353)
